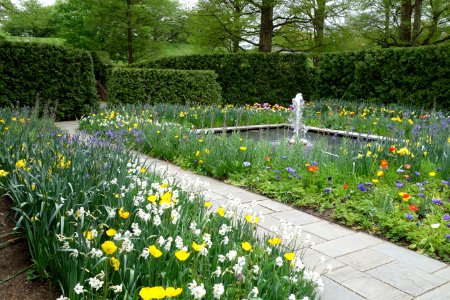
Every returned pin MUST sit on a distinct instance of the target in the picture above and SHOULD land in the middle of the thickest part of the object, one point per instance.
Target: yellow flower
(207, 203)
(20, 164)
(432, 174)
(207, 151)
(368, 154)
(152, 198)
(88, 235)
(173, 292)
(380, 173)
(143, 170)
(109, 247)
(115, 263)
(246, 246)
(182, 255)
(198, 247)
(243, 148)
(201, 161)
(14, 119)
(410, 121)
(33, 186)
(164, 185)
(165, 198)
(251, 219)
(375, 180)
(221, 212)
(425, 153)
(289, 256)
(197, 153)
(3, 173)
(111, 232)
(155, 252)
(275, 241)
(157, 292)
(124, 214)
(403, 151)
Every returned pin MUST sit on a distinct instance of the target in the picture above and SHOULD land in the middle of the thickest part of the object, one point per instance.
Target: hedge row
(103, 66)
(128, 85)
(249, 77)
(418, 76)
(55, 76)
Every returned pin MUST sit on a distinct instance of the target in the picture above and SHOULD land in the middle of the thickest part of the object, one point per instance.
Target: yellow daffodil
(243, 148)
(165, 198)
(246, 246)
(275, 241)
(157, 292)
(3, 173)
(109, 247)
(152, 198)
(20, 164)
(289, 256)
(182, 255)
(173, 292)
(88, 235)
(115, 263)
(142, 170)
(380, 173)
(155, 252)
(207, 203)
(221, 212)
(111, 232)
(252, 219)
(207, 151)
(198, 247)
(123, 213)
(432, 174)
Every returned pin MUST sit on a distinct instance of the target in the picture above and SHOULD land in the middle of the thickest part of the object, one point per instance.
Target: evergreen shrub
(53, 76)
(132, 85)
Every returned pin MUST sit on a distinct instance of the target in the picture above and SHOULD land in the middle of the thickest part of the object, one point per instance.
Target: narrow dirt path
(14, 258)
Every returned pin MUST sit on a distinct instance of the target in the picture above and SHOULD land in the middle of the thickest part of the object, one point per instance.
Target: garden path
(364, 266)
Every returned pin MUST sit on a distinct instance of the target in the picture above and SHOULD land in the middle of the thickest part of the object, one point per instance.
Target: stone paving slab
(274, 205)
(334, 291)
(347, 244)
(365, 285)
(327, 230)
(409, 257)
(444, 273)
(311, 258)
(440, 293)
(406, 278)
(365, 259)
(296, 217)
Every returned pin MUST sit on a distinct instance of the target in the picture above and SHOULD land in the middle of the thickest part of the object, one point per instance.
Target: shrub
(59, 77)
(418, 76)
(249, 77)
(128, 85)
(103, 66)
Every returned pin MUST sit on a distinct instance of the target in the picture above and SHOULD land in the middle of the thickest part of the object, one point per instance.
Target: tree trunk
(266, 31)
(405, 22)
(417, 22)
(387, 22)
(235, 39)
(319, 24)
(129, 33)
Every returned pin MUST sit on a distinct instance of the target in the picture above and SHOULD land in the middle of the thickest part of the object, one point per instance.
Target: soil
(14, 258)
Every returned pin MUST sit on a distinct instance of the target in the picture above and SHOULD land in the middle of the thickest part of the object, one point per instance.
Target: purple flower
(362, 187)
(447, 235)
(368, 183)
(409, 216)
(290, 170)
(421, 189)
(276, 171)
(438, 202)
(446, 217)
(284, 157)
(438, 169)
(421, 195)
(417, 173)
(445, 182)
(314, 163)
(247, 164)
(399, 184)
(327, 190)
(399, 170)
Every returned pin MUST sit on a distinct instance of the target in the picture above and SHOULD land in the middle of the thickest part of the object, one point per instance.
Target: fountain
(300, 129)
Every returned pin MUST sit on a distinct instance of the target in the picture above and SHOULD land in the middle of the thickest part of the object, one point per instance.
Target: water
(300, 129)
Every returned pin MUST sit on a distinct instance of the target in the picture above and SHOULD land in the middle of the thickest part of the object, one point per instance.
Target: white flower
(435, 225)
(221, 258)
(136, 230)
(217, 272)
(218, 290)
(74, 253)
(79, 289)
(161, 241)
(179, 242)
(96, 253)
(116, 288)
(144, 253)
(225, 240)
(198, 291)
(255, 292)
(231, 255)
(62, 298)
(279, 261)
(204, 251)
(197, 232)
(268, 250)
(291, 297)
(95, 283)
(256, 269)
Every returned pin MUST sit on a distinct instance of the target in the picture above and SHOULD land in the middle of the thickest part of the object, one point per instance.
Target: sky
(187, 3)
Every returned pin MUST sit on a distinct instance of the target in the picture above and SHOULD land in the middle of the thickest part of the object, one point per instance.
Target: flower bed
(398, 190)
(106, 227)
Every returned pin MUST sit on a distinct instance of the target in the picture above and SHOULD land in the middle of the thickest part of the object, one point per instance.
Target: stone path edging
(364, 267)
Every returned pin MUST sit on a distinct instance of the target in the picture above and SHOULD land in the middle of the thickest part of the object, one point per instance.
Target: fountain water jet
(300, 129)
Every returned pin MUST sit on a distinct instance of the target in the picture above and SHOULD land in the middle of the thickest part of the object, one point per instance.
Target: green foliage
(418, 76)
(249, 77)
(103, 66)
(128, 85)
(58, 77)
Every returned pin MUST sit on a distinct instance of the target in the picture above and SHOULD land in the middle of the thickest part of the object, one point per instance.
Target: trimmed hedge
(129, 85)
(249, 77)
(58, 77)
(417, 76)
(103, 66)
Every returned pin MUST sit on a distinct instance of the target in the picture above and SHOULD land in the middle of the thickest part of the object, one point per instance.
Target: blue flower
(409, 216)
(327, 190)
(362, 187)
(284, 157)
(417, 173)
(247, 164)
(438, 202)
(446, 217)
(421, 195)
(445, 182)
(290, 170)
(447, 235)
(276, 171)
(399, 184)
